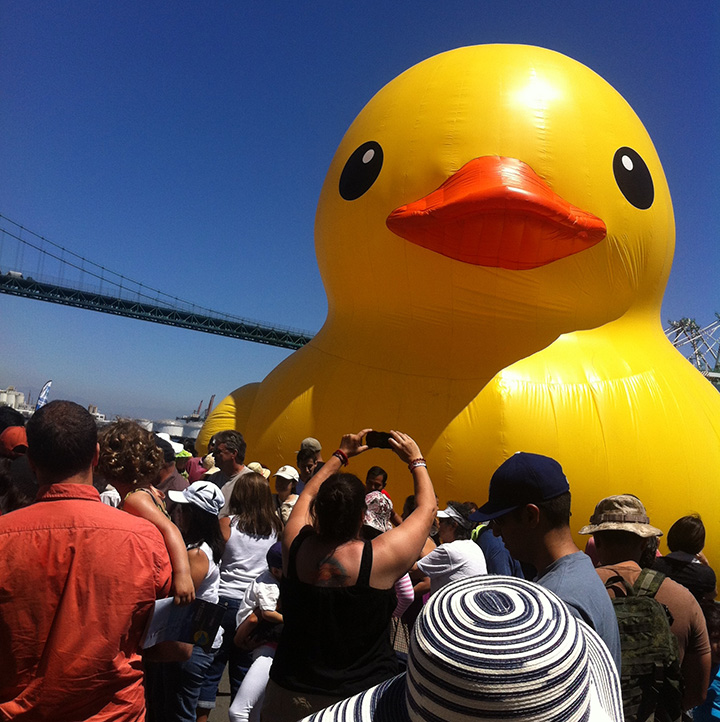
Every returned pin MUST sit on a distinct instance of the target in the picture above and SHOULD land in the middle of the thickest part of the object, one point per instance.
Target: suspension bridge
(32, 266)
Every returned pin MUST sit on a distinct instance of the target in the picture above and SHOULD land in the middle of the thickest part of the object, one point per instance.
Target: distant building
(93, 411)
(11, 397)
(169, 427)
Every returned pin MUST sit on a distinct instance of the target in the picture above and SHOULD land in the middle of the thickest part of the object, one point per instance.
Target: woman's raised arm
(350, 445)
(395, 551)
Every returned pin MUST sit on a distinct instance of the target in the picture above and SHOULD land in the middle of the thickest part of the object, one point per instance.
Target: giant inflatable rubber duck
(495, 233)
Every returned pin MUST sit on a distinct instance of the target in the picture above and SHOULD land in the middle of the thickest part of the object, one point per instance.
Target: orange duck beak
(497, 212)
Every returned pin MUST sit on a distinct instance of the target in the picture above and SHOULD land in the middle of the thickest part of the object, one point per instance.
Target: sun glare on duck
(538, 93)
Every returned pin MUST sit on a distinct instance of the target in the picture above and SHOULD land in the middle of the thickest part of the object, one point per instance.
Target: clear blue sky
(184, 144)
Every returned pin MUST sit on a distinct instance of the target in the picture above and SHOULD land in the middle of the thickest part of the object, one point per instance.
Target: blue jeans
(238, 660)
(172, 689)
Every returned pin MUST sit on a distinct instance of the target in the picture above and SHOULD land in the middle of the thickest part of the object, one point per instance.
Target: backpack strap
(648, 583)
(619, 587)
(478, 531)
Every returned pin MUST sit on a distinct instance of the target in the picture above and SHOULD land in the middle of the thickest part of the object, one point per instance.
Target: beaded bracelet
(417, 462)
(340, 454)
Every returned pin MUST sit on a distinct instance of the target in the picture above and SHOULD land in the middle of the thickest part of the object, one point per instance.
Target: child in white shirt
(259, 623)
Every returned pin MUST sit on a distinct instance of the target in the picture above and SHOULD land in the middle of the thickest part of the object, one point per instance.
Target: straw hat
(258, 468)
(494, 648)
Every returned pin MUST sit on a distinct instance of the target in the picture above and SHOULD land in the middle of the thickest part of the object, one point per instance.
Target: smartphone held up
(378, 440)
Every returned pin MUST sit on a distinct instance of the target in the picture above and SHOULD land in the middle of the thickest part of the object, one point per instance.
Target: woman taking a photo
(337, 590)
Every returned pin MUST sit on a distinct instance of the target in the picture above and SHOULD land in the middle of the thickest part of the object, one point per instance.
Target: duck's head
(496, 191)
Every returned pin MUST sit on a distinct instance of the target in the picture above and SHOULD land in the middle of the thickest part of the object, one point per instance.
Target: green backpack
(651, 681)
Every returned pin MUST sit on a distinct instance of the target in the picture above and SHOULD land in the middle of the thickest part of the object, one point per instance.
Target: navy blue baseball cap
(523, 479)
(274, 556)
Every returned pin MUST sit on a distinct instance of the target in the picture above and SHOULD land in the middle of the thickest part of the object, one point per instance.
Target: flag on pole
(43, 398)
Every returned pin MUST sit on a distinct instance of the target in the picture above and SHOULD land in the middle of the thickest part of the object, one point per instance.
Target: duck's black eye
(633, 178)
(361, 170)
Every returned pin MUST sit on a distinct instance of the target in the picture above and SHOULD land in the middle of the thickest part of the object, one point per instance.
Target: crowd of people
(331, 604)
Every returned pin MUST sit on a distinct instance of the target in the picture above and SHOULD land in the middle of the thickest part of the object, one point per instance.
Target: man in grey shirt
(229, 455)
(529, 505)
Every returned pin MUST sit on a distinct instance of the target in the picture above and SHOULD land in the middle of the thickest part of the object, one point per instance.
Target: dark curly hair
(338, 508)
(129, 454)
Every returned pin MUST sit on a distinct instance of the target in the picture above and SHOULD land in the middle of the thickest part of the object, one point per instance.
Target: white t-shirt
(264, 593)
(451, 561)
(110, 496)
(208, 589)
(286, 507)
(243, 560)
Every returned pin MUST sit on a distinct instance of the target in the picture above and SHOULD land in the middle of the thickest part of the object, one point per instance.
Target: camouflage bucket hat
(621, 513)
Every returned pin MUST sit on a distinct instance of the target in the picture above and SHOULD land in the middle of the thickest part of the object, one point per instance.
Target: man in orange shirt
(78, 580)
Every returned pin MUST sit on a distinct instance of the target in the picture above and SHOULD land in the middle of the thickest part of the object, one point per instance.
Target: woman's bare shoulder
(325, 565)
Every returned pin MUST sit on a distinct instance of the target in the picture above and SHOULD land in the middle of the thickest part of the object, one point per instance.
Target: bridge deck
(245, 330)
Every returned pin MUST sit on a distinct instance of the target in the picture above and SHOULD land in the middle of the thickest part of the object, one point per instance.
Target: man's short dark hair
(10, 417)
(62, 439)
(305, 455)
(233, 441)
(556, 511)
(374, 471)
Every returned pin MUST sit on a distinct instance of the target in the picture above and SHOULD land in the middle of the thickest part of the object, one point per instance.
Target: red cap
(13, 442)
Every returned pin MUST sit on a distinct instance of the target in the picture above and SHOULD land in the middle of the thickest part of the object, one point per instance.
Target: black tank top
(335, 640)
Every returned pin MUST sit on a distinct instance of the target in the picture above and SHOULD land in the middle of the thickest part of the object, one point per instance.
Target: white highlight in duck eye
(368, 156)
(627, 162)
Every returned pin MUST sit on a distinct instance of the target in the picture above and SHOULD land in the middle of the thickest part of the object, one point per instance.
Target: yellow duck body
(495, 257)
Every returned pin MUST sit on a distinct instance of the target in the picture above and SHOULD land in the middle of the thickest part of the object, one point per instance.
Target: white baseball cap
(288, 472)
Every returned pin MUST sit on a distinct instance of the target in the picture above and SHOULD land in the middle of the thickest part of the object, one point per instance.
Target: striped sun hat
(494, 648)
